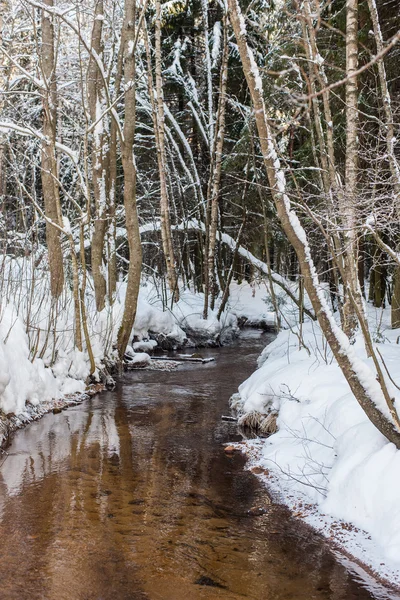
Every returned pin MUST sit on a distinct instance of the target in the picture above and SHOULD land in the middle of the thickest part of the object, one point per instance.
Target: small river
(131, 496)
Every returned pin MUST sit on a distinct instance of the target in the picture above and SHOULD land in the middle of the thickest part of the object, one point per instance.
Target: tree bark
(166, 233)
(348, 196)
(128, 164)
(3, 8)
(214, 181)
(50, 187)
(96, 103)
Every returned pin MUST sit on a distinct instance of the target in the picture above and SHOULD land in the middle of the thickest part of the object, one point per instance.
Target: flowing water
(131, 496)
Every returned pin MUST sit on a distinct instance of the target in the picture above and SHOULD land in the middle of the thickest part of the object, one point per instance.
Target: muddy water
(130, 496)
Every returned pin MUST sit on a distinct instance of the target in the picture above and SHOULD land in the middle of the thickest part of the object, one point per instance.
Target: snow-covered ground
(331, 464)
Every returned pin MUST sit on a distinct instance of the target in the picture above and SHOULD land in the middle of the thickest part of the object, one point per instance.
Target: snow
(21, 380)
(250, 303)
(139, 358)
(144, 346)
(326, 451)
(216, 48)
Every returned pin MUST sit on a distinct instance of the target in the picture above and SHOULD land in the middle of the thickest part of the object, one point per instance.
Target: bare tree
(97, 105)
(214, 180)
(159, 122)
(128, 163)
(364, 387)
(51, 194)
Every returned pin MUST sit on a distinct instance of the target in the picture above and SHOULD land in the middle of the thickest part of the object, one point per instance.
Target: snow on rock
(139, 359)
(184, 320)
(326, 450)
(144, 346)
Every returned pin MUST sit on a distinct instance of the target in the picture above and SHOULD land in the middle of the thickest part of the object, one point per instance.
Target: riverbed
(130, 495)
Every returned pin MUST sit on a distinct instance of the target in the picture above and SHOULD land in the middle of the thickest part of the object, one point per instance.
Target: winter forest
(184, 186)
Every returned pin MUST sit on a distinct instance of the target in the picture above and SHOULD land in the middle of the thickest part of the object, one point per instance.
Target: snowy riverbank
(330, 464)
(40, 366)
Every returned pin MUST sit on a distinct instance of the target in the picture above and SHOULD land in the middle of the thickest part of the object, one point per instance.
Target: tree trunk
(50, 187)
(395, 313)
(96, 102)
(132, 222)
(166, 233)
(348, 198)
(112, 187)
(3, 8)
(214, 182)
(365, 387)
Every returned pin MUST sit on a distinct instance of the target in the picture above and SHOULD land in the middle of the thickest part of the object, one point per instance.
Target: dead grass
(260, 422)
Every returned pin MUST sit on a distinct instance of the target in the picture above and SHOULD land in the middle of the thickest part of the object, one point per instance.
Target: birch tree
(214, 180)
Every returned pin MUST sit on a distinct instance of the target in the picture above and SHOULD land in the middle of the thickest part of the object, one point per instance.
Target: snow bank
(326, 449)
(250, 303)
(24, 381)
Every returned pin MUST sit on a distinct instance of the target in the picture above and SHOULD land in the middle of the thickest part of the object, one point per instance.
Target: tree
(128, 164)
(50, 187)
(364, 386)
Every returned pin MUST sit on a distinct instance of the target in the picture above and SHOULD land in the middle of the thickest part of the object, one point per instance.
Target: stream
(130, 496)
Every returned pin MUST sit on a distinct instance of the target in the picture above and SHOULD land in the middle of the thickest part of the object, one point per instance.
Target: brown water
(130, 496)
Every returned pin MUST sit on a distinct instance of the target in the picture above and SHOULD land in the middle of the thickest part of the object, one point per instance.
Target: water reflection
(131, 496)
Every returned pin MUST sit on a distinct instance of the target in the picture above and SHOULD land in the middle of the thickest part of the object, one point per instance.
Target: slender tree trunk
(128, 164)
(348, 198)
(204, 6)
(3, 8)
(96, 103)
(395, 312)
(214, 181)
(112, 189)
(364, 387)
(390, 141)
(166, 233)
(50, 189)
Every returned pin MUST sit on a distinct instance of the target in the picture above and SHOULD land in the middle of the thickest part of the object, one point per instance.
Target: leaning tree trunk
(50, 189)
(128, 164)
(362, 381)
